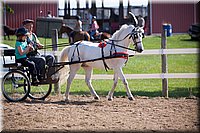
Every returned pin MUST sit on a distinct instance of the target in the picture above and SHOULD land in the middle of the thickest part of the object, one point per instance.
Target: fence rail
(143, 76)
(168, 51)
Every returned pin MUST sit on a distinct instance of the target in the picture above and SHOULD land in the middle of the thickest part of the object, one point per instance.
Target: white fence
(151, 76)
(144, 76)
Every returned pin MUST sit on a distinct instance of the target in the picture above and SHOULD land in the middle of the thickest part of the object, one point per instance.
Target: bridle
(133, 35)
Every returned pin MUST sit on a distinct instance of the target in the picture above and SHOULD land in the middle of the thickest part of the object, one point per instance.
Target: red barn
(28, 10)
(179, 15)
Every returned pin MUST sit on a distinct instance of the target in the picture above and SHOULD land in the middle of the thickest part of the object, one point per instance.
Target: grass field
(141, 64)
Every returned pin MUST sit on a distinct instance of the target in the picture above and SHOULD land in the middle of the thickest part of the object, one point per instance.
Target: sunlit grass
(141, 87)
(175, 41)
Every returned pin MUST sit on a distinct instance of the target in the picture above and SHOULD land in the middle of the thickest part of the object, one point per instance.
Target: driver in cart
(49, 60)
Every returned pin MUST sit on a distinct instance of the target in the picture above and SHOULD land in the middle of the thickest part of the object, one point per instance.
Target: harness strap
(121, 39)
(112, 47)
(103, 59)
(76, 49)
(121, 55)
(124, 55)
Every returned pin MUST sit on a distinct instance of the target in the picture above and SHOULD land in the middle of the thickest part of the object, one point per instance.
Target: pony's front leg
(110, 94)
(125, 82)
(88, 74)
(72, 73)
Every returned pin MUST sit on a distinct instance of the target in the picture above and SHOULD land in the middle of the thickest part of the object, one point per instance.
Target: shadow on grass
(190, 40)
(173, 92)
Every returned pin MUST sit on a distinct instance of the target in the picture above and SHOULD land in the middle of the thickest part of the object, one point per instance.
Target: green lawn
(140, 87)
(146, 64)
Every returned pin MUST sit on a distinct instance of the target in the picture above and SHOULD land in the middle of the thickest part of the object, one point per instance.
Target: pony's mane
(120, 31)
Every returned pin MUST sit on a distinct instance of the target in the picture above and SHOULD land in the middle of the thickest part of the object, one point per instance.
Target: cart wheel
(15, 86)
(40, 92)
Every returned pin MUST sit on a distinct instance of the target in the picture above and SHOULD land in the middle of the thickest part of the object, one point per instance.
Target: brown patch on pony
(78, 35)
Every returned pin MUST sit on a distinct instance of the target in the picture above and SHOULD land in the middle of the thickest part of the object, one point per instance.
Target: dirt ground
(82, 114)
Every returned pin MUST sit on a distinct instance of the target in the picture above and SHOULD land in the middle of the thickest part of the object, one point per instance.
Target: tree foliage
(8, 8)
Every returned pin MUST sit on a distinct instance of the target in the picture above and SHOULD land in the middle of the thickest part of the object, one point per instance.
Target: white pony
(83, 51)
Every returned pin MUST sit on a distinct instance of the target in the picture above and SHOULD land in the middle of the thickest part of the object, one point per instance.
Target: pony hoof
(67, 100)
(110, 99)
(131, 98)
(96, 98)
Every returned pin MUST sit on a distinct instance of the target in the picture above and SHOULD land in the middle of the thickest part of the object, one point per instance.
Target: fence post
(164, 63)
(54, 48)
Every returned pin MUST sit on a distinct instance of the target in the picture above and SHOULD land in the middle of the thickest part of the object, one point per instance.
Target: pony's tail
(65, 70)
(64, 53)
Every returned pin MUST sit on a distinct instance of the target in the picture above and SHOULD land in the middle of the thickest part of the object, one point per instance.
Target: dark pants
(30, 64)
(39, 64)
(50, 60)
(41, 61)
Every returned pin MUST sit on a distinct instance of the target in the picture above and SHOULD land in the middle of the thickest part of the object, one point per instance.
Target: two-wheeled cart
(16, 83)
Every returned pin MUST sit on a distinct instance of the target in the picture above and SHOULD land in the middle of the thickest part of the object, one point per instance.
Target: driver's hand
(39, 46)
(30, 48)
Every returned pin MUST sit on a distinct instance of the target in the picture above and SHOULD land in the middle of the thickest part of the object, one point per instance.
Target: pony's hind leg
(125, 82)
(88, 74)
(110, 94)
(73, 70)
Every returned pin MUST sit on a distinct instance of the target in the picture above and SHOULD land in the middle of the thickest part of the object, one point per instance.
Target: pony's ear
(134, 18)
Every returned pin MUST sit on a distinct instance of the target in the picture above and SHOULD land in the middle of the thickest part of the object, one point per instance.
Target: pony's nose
(140, 50)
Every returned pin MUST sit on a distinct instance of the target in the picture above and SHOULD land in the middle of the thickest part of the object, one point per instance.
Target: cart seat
(10, 53)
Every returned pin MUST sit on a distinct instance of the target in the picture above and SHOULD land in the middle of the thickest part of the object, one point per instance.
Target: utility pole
(121, 11)
(78, 7)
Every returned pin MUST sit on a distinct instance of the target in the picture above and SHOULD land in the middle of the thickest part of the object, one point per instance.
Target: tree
(8, 9)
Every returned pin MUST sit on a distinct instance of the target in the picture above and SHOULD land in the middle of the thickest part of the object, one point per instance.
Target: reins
(110, 42)
(67, 44)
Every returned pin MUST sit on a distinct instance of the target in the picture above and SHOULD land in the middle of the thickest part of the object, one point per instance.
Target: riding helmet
(26, 21)
(21, 31)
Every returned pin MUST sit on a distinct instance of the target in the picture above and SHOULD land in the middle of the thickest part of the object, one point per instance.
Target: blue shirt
(23, 46)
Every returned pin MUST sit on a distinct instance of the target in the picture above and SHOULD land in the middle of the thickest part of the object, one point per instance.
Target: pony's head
(130, 34)
(136, 35)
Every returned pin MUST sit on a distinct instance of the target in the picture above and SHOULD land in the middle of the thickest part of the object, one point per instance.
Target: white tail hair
(64, 58)
(63, 55)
